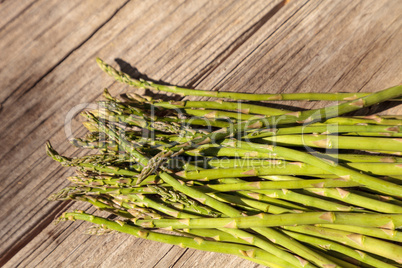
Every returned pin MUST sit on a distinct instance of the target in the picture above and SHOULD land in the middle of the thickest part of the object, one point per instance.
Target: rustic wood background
(47, 67)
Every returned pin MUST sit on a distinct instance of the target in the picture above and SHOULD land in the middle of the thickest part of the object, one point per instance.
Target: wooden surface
(47, 67)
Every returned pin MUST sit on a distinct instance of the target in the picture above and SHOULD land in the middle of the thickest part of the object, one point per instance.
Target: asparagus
(386, 234)
(185, 242)
(330, 245)
(361, 242)
(226, 209)
(347, 196)
(122, 77)
(176, 166)
(337, 169)
(295, 168)
(390, 221)
(318, 128)
(243, 108)
(260, 185)
(337, 142)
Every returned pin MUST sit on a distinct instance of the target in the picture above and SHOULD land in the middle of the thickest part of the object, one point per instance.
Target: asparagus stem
(296, 168)
(244, 108)
(220, 151)
(261, 206)
(361, 242)
(200, 244)
(390, 221)
(373, 120)
(337, 142)
(334, 168)
(318, 128)
(285, 194)
(330, 245)
(351, 198)
(386, 234)
(261, 185)
(122, 77)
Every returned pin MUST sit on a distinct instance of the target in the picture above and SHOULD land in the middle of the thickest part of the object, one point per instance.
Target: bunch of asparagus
(280, 188)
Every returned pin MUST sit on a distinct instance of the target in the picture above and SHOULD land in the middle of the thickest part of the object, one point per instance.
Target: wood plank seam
(177, 260)
(39, 160)
(218, 60)
(18, 14)
(34, 232)
(65, 57)
(373, 45)
(54, 237)
(42, 224)
(225, 77)
(33, 190)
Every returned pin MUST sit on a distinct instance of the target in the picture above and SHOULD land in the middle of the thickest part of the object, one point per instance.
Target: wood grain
(217, 45)
(43, 35)
(336, 46)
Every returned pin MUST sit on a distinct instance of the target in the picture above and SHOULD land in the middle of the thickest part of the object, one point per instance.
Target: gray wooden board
(229, 45)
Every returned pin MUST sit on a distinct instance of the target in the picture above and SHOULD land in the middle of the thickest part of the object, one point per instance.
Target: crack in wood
(218, 60)
(27, 237)
(64, 58)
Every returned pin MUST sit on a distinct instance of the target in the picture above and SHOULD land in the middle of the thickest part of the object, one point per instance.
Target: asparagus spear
(361, 242)
(122, 77)
(331, 245)
(390, 221)
(200, 244)
(337, 169)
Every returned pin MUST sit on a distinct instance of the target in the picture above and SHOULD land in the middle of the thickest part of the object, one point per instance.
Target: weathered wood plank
(335, 46)
(10, 10)
(45, 32)
(181, 36)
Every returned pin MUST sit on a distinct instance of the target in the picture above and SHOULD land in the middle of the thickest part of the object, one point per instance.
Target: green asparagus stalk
(200, 244)
(284, 195)
(358, 241)
(319, 128)
(240, 107)
(331, 245)
(390, 221)
(294, 168)
(371, 120)
(337, 142)
(259, 206)
(349, 197)
(122, 77)
(332, 167)
(261, 185)
(386, 234)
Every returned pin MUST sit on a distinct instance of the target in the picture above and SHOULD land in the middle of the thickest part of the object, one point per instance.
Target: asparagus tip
(55, 155)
